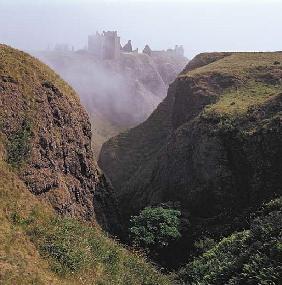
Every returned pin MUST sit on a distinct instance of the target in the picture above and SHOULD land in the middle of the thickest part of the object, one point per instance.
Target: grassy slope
(25, 69)
(20, 262)
(36, 245)
(247, 69)
(237, 63)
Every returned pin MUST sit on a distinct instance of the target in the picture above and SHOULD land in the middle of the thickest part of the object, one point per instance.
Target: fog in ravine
(200, 25)
(123, 93)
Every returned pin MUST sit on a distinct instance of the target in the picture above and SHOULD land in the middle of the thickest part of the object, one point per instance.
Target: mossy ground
(239, 64)
(236, 102)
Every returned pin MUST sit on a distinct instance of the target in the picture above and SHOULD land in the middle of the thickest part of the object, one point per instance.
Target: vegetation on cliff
(253, 256)
(213, 146)
(51, 191)
(39, 247)
(155, 228)
(47, 135)
(212, 149)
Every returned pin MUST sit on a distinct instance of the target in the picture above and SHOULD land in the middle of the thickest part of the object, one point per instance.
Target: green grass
(73, 248)
(18, 146)
(39, 247)
(238, 101)
(239, 64)
(20, 262)
(250, 71)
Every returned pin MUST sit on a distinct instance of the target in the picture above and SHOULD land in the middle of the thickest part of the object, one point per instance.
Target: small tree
(155, 227)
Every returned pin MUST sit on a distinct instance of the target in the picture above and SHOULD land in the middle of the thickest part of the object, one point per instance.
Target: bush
(18, 146)
(248, 257)
(155, 227)
(204, 244)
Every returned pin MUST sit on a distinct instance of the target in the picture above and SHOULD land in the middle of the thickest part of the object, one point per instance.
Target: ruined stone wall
(105, 46)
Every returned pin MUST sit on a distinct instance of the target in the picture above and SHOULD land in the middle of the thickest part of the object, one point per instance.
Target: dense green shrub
(249, 257)
(155, 227)
(18, 147)
(204, 244)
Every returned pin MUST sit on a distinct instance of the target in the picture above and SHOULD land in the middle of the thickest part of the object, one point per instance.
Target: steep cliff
(118, 94)
(51, 192)
(213, 144)
(47, 135)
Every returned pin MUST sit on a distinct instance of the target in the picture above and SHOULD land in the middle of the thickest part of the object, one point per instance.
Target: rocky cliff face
(213, 145)
(47, 139)
(118, 94)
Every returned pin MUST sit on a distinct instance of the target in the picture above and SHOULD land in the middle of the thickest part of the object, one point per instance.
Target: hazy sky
(200, 25)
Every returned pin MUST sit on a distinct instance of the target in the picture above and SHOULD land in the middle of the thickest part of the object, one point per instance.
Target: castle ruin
(105, 45)
(147, 50)
(178, 51)
(127, 47)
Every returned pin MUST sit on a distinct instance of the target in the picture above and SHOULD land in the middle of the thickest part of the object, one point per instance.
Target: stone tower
(147, 50)
(127, 47)
(179, 50)
(105, 45)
